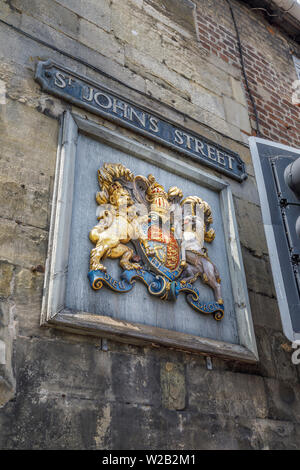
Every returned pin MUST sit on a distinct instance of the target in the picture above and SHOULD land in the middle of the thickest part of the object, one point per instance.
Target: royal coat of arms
(157, 236)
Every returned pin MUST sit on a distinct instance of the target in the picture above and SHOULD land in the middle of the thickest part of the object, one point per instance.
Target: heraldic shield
(157, 236)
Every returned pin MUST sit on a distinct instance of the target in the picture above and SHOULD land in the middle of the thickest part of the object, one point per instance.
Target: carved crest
(157, 236)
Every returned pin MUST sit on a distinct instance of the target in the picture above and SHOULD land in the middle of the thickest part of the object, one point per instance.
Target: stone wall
(59, 390)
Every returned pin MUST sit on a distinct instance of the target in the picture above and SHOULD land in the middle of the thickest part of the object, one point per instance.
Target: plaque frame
(54, 313)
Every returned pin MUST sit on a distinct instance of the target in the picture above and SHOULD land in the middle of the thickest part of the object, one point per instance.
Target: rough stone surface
(250, 225)
(237, 114)
(180, 13)
(172, 377)
(227, 393)
(62, 390)
(30, 244)
(92, 36)
(6, 276)
(90, 11)
(51, 13)
(258, 274)
(7, 341)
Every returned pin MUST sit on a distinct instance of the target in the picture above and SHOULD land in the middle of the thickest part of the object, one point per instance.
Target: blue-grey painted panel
(137, 305)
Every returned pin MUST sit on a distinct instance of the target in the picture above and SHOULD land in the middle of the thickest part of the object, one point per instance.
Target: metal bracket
(209, 365)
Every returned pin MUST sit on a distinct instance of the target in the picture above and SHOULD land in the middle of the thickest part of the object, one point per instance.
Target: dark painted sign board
(83, 92)
(280, 209)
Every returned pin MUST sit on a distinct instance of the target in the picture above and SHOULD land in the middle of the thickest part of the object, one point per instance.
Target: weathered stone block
(159, 74)
(153, 68)
(55, 422)
(22, 245)
(173, 390)
(17, 84)
(131, 26)
(258, 274)
(6, 394)
(250, 226)
(21, 126)
(132, 427)
(283, 399)
(238, 91)
(285, 370)
(190, 64)
(31, 25)
(169, 97)
(135, 379)
(237, 114)
(94, 11)
(265, 311)
(164, 15)
(28, 292)
(9, 13)
(95, 38)
(6, 276)
(24, 204)
(28, 176)
(152, 428)
(51, 13)
(268, 434)
(103, 425)
(203, 99)
(246, 191)
(264, 347)
(226, 393)
(28, 286)
(210, 431)
(178, 12)
(227, 67)
(55, 368)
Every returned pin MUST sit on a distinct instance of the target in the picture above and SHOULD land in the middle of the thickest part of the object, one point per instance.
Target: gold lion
(116, 220)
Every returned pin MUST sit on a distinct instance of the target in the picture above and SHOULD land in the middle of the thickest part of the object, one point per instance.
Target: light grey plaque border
(270, 236)
(54, 312)
(297, 66)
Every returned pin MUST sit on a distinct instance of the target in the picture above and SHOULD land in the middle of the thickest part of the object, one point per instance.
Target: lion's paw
(98, 267)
